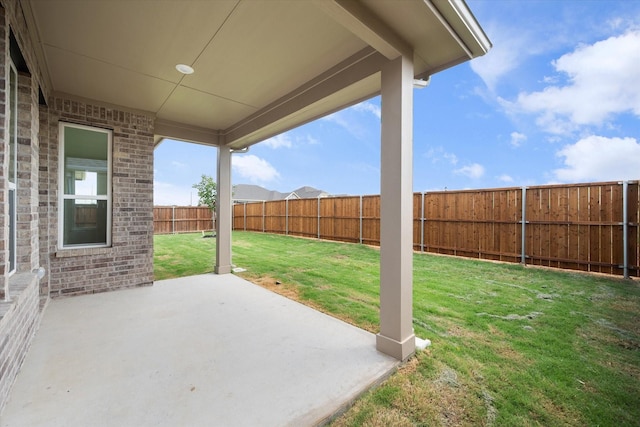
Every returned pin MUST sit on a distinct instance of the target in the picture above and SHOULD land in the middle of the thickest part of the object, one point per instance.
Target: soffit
(249, 56)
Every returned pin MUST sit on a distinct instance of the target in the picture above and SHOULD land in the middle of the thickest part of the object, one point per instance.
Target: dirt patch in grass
(276, 286)
(559, 413)
(496, 340)
(292, 292)
(607, 332)
(629, 305)
(628, 369)
(410, 398)
(456, 401)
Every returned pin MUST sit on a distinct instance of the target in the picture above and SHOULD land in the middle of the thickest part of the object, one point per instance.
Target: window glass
(85, 222)
(85, 162)
(85, 217)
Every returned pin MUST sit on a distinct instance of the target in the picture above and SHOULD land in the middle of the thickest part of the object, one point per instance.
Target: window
(85, 186)
(13, 162)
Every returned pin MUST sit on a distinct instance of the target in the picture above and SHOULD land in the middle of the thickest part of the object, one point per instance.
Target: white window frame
(61, 193)
(13, 186)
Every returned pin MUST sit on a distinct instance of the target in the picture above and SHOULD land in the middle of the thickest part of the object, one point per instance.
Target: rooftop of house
(252, 193)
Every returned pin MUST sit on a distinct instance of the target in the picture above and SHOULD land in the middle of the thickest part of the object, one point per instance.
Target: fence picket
(577, 226)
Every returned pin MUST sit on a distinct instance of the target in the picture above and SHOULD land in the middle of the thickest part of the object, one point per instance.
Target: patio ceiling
(261, 67)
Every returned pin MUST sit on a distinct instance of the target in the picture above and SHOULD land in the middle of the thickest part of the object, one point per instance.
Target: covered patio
(91, 87)
(196, 351)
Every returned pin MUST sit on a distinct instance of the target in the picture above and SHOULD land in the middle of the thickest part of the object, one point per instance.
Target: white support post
(396, 337)
(223, 212)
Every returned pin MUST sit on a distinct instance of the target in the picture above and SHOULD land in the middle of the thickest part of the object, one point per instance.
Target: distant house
(246, 193)
(310, 193)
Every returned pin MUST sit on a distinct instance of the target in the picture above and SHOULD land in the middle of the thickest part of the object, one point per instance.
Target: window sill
(67, 253)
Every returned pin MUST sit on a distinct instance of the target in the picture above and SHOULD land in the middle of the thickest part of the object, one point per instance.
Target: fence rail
(590, 227)
(181, 219)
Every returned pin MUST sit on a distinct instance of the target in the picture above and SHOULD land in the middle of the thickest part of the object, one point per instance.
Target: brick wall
(4, 149)
(129, 260)
(19, 320)
(20, 316)
(27, 195)
(47, 220)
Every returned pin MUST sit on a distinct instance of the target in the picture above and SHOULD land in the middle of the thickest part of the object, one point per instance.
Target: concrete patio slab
(198, 351)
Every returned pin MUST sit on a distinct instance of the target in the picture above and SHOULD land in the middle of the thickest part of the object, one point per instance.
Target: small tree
(207, 195)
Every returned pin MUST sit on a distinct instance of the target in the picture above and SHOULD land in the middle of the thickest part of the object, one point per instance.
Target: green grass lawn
(511, 345)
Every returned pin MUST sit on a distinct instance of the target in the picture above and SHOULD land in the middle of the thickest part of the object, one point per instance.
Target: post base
(222, 269)
(400, 350)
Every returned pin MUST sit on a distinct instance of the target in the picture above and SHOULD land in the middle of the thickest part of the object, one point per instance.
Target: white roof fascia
(466, 17)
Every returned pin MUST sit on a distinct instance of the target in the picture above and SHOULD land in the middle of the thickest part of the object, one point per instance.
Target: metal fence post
(173, 219)
(523, 256)
(360, 219)
(422, 222)
(318, 217)
(286, 217)
(263, 216)
(625, 228)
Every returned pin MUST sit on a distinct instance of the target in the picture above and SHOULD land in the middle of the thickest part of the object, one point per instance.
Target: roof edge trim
(470, 21)
(179, 131)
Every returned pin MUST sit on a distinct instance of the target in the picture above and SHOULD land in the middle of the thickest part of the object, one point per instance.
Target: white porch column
(223, 212)
(396, 336)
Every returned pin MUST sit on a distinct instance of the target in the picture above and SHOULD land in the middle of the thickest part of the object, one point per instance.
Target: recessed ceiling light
(184, 69)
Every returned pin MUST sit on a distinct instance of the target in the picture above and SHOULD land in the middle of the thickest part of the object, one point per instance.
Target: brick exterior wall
(27, 245)
(129, 261)
(19, 320)
(19, 316)
(4, 149)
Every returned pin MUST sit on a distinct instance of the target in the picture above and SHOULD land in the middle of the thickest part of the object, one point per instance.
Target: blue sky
(557, 100)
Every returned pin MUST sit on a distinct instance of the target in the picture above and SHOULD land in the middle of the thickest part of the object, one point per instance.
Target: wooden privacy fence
(181, 219)
(590, 227)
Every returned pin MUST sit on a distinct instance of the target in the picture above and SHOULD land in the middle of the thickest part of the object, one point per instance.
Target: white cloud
(166, 194)
(340, 118)
(178, 165)
(438, 154)
(368, 107)
(473, 170)
(517, 138)
(505, 178)
(254, 168)
(511, 47)
(602, 80)
(353, 122)
(597, 158)
(309, 139)
(278, 141)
